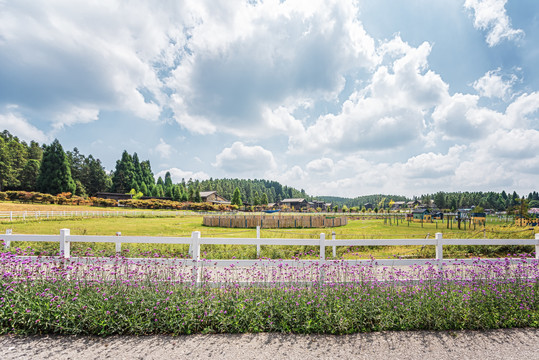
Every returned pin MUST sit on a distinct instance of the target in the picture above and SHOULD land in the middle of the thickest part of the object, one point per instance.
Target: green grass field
(183, 226)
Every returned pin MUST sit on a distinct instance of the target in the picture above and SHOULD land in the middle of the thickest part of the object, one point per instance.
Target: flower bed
(151, 297)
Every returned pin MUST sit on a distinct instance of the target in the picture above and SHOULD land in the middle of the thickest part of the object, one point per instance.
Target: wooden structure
(421, 215)
(295, 204)
(274, 221)
(113, 196)
(213, 198)
(479, 218)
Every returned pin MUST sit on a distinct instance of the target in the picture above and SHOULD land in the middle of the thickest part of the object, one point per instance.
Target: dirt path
(497, 344)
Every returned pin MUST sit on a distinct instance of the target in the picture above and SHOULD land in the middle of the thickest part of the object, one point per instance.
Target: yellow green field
(184, 225)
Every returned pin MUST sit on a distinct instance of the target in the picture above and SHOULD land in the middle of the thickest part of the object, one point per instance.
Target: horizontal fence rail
(64, 239)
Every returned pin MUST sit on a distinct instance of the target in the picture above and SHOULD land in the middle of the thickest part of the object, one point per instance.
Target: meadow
(45, 296)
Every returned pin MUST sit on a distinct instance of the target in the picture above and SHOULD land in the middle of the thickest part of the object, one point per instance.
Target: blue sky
(335, 97)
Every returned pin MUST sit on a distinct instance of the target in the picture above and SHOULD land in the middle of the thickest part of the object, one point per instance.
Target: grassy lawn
(184, 225)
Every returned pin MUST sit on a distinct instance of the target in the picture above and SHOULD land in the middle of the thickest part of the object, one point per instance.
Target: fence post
(195, 241)
(334, 247)
(322, 257)
(258, 245)
(439, 247)
(7, 243)
(118, 244)
(537, 246)
(10, 216)
(64, 243)
(322, 247)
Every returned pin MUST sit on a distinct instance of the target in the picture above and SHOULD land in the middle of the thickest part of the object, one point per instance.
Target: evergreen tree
(55, 173)
(144, 189)
(147, 175)
(123, 179)
(29, 175)
(197, 194)
(94, 177)
(236, 198)
(138, 174)
(264, 200)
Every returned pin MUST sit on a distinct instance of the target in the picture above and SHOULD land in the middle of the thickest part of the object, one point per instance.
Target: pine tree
(236, 198)
(94, 177)
(123, 179)
(55, 173)
(29, 175)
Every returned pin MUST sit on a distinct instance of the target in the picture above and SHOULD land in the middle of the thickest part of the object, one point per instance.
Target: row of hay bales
(274, 222)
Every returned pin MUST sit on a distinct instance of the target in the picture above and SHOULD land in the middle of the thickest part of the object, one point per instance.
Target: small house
(294, 204)
(213, 198)
(421, 215)
(479, 218)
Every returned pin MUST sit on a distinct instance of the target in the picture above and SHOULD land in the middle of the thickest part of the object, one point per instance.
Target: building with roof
(213, 198)
(295, 204)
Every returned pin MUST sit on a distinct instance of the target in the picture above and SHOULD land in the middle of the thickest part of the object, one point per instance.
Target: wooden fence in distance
(275, 222)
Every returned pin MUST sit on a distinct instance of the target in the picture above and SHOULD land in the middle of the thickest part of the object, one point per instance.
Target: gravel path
(496, 344)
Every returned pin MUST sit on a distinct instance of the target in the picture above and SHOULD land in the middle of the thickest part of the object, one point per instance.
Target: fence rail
(64, 239)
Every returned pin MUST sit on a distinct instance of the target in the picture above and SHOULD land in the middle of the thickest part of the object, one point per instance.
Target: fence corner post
(65, 248)
(118, 244)
(537, 246)
(439, 247)
(258, 245)
(7, 243)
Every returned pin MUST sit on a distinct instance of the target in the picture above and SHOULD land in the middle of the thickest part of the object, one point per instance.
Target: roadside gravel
(495, 344)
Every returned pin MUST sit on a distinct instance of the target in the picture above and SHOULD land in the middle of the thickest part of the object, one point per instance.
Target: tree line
(51, 170)
(48, 169)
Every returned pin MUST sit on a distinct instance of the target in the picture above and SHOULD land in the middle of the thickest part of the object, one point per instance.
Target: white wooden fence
(64, 239)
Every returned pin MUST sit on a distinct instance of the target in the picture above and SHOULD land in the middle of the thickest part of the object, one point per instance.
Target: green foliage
(123, 178)
(29, 175)
(55, 173)
(236, 198)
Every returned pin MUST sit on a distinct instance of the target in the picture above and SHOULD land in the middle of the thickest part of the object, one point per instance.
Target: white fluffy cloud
(54, 59)
(388, 113)
(75, 115)
(493, 85)
(244, 159)
(460, 117)
(178, 174)
(242, 66)
(320, 166)
(490, 15)
(163, 149)
(20, 127)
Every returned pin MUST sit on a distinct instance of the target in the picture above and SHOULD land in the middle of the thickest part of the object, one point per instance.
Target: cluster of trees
(378, 200)
(487, 200)
(19, 163)
(48, 169)
(253, 192)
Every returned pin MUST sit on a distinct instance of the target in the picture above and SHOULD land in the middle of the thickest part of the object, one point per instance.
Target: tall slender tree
(55, 175)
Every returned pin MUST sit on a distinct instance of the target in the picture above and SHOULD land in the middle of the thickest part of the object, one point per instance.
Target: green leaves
(55, 176)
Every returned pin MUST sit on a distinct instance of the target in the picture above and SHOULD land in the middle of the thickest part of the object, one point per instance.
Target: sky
(335, 97)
